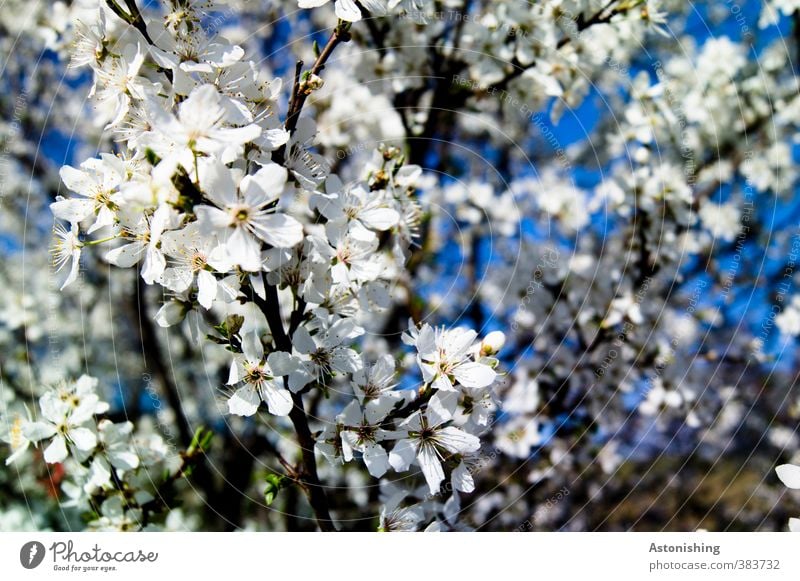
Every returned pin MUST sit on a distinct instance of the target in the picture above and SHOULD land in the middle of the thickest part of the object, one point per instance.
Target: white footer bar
(389, 557)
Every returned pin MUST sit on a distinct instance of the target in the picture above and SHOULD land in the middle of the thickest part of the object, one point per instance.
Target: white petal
(426, 341)
(72, 210)
(431, 467)
(458, 341)
(105, 217)
(303, 341)
(434, 527)
(377, 409)
(265, 185)
(236, 136)
(451, 509)
(412, 423)
(374, 7)
(458, 441)
(474, 374)
(177, 279)
(126, 255)
(73, 270)
(244, 402)
(257, 282)
(154, 265)
(344, 360)
(347, 10)
(210, 219)
(83, 438)
(170, 314)
(789, 475)
(462, 479)
(252, 347)
(279, 401)
(281, 363)
(100, 472)
(244, 250)
(76, 180)
(207, 288)
(235, 373)
(274, 138)
(279, 230)
(299, 378)
(376, 459)
(124, 460)
(330, 208)
(380, 218)
(402, 455)
(351, 415)
(442, 406)
(442, 383)
(36, 431)
(56, 451)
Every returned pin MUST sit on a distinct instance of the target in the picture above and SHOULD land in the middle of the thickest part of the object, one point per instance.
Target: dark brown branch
(134, 18)
(308, 478)
(137, 21)
(299, 93)
(152, 354)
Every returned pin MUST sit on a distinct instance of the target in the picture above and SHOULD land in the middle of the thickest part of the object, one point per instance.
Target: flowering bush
(401, 265)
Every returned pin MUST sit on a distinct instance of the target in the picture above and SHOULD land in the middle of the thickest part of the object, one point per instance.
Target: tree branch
(134, 18)
(151, 351)
(308, 478)
(299, 94)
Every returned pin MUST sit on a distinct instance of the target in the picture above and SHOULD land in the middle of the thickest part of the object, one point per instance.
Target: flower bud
(311, 83)
(492, 343)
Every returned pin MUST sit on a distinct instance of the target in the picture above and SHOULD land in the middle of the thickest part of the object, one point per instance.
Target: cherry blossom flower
(243, 215)
(63, 424)
(356, 209)
(259, 381)
(361, 433)
(67, 250)
(192, 256)
(427, 440)
(444, 358)
(201, 127)
(95, 181)
(325, 353)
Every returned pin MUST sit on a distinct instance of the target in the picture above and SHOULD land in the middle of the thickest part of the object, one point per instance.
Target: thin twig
(134, 18)
(298, 99)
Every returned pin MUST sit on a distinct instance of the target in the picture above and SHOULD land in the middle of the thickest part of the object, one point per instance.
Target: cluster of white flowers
(213, 199)
(112, 472)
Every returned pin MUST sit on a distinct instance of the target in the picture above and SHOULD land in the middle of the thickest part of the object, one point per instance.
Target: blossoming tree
(398, 265)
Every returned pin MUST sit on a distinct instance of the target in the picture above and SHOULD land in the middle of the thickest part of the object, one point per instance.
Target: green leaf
(274, 482)
(201, 441)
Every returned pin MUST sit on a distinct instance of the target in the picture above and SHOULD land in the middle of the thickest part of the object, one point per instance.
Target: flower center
(197, 261)
(16, 434)
(257, 375)
(321, 358)
(240, 215)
